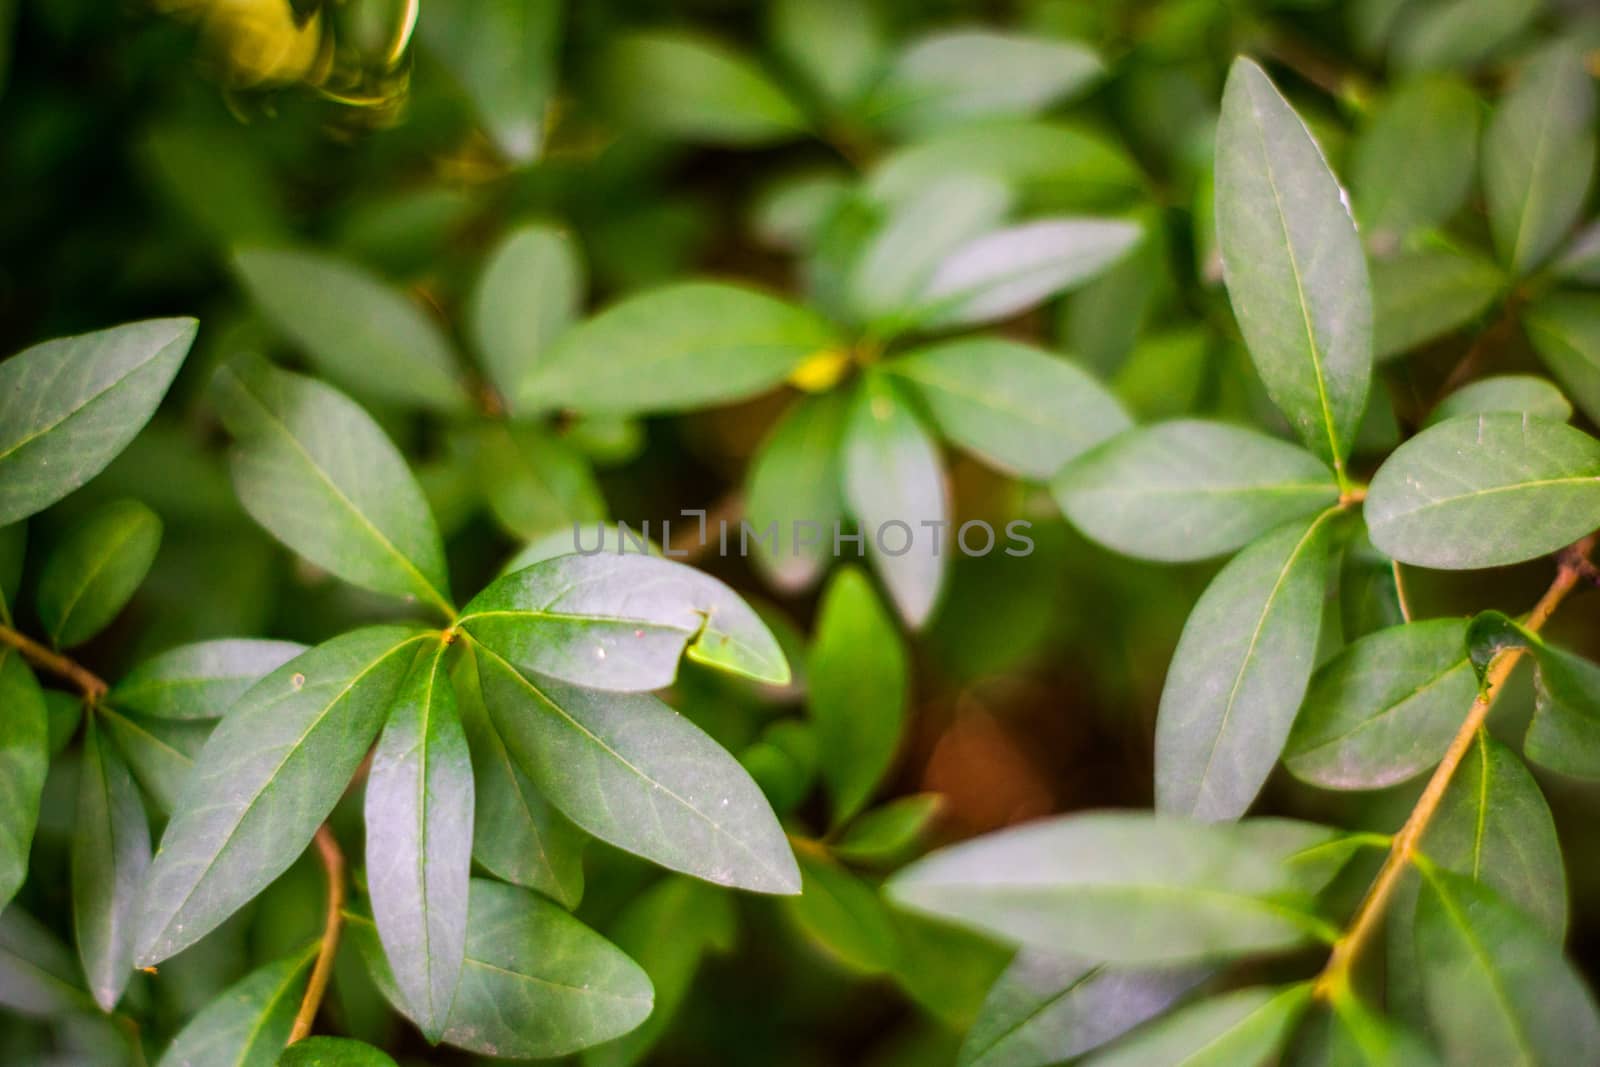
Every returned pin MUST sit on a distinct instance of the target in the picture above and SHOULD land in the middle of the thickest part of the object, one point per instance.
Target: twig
(87, 681)
(322, 970)
(1336, 975)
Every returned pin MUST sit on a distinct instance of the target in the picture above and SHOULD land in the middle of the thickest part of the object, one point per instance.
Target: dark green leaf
(682, 85)
(1295, 269)
(1385, 708)
(960, 75)
(886, 833)
(1191, 489)
(1497, 987)
(634, 773)
(1538, 155)
(68, 406)
(858, 680)
(531, 290)
(795, 478)
(110, 853)
(621, 622)
(536, 983)
(517, 836)
(1125, 887)
(1017, 407)
(332, 1052)
(1485, 491)
(317, 472)
(1240, 671)
(1245, 1028)
(248, 1023)
(13, 547)
(268, 776)
(842, 916)
(534, 481)
(24, 760)
(1048, 1008)
(1565, 330)
(419, 807)
(894, 485)
(160, 752)
(1423, 294)
(683, 346)
(1565, 732)
(1459, 33)
(355, 328)
(202, 680)
(1414, 161)
(38, 976)
(1520, 393)
(503, 55)
(95, 570)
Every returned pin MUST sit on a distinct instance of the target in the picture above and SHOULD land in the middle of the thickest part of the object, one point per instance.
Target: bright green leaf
(530, 291)
(1414, 161)
(886, 833)
(795, 478)
(836, 45)
(69, 406)
(842, 916)
(503, 55)
(24, 760)
(247, 1024)
(1245, 1028)
(95, 570)
(333, 1052)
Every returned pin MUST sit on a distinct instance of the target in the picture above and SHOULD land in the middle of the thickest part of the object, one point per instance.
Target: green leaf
(38, 976)
(1494, 827)
(858, 679)
(918, 234)
(791, 212)
(1580, 261)
(1017, 407)
(1125, 887)
(886, 833)
(202, 680)
(160, 752)
(1414, 160)
(1385, 708)
(1565, 732)
(24, 761)
(636, 774)
(95, 570)
(795, 478)
(894, 485)
(1190, 489)
(1565, 331)
(1006, 271)
(1245, 1028)
(333, 1052)
(517, 836)
(419, 807)
(354, 327)
(679, 347)
(692, 87)
(314, 469)
(1047, 1008)
(530, 291)
(1421, 295)
(1485, 491)
(1050, 165)
(534, 481)
(68, 406)
(1520, 393)
(13, 548)
(1351, 1035)
(1460, 33)
(667, 929)
(1538, 156)
(621, 622)
(836, 45)
(536, 983)
(63, 713)
(110, 853)
(1295, 270)
(268, 776)
(503, 56)
(1240, 671)
(841, 916)
(1497, 987)
(953, 76)
(247, 1024)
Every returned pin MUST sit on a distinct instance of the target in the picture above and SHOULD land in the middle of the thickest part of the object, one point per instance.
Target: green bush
(700, 533)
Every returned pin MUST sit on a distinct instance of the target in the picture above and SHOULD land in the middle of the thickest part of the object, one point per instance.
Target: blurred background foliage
(140, 146)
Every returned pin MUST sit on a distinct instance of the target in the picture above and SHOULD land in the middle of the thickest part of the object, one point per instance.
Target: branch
(88, 682)
(1336, 975)
(322, 970)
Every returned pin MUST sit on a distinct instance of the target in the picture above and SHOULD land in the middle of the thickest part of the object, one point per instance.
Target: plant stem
(1336, 975)
(333, 865)
(87, 681)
